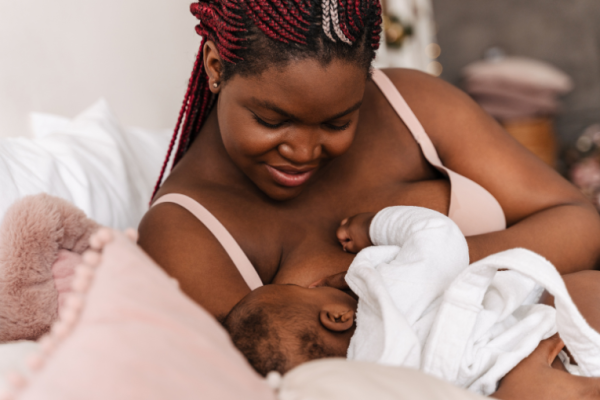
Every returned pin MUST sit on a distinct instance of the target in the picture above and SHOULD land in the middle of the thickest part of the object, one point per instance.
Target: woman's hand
(534, 378)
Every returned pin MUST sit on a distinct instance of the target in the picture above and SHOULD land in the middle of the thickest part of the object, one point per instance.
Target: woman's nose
(302, 148)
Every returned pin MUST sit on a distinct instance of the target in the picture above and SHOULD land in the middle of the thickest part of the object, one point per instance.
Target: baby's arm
(422, 234)
(422, 229)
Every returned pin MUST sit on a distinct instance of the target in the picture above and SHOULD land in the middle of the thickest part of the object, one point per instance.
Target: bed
(135, 335)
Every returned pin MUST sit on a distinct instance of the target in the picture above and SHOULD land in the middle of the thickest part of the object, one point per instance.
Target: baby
(420, 304)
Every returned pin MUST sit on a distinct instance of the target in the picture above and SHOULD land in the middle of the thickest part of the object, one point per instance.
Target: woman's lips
(290, 177)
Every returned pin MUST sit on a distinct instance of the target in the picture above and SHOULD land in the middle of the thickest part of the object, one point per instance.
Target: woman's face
(281, 128)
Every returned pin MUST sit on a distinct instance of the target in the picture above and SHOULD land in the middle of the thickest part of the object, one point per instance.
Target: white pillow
(107, 171)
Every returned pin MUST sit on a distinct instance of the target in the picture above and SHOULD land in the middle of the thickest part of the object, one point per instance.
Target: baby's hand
(353, 232)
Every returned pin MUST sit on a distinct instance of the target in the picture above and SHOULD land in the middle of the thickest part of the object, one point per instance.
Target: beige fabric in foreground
(333, 379)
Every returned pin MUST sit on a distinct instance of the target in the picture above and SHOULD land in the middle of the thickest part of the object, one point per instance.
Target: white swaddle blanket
(422, 305)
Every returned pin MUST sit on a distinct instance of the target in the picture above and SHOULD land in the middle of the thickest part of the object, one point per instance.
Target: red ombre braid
(294, 23)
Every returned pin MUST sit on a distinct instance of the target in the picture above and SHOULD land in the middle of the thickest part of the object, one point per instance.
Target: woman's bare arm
(189, 252)
(534, 378)
(544, 212)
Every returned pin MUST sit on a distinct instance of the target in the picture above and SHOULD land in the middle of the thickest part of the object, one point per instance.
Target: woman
(284, 135)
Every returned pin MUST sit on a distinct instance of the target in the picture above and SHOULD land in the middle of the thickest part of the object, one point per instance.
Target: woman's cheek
(340, 142)
(245, 141)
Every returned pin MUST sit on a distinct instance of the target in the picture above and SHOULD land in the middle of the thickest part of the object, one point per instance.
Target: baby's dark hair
(268, 334)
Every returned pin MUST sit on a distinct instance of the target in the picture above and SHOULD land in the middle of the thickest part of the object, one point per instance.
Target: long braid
(295, 23)
(182, 113)
(377, 25)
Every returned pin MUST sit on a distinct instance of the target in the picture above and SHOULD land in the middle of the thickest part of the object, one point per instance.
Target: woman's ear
(213, 65)
(337, 318)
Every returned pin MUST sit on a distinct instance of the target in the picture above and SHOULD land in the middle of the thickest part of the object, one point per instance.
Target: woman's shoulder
(425, 91)
(444, 111)
(188, 250)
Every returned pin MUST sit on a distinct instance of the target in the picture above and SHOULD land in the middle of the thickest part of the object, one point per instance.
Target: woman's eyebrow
(348, 111)
(270, 106)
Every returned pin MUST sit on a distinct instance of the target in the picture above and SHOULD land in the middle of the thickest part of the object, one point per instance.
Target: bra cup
(472, 207)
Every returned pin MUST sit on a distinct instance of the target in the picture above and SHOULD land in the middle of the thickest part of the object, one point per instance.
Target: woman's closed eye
(331, 126)
(336, 127)
(265, 123)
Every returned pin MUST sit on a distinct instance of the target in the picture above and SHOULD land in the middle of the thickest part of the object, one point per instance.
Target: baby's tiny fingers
(343, 235)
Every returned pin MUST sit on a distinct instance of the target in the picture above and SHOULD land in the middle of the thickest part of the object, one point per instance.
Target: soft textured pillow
(105, 170)
(134, 335)
(41, 242)
(340, 379)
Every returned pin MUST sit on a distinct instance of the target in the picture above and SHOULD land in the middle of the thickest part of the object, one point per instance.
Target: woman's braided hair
(252, 35)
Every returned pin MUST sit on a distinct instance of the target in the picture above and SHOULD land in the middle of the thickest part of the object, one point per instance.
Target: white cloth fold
(422, 305)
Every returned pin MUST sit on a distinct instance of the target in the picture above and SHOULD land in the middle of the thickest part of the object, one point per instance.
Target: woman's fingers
(550, 347)
(547, 351)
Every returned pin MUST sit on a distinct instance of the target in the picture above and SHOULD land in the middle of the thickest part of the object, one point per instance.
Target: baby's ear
(337, 318)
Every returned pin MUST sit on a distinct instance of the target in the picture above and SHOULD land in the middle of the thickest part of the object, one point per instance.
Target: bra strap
(403, 110)
(221, 233)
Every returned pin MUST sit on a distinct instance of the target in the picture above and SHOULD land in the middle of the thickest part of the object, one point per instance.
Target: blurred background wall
(59, 56)
(564, 33)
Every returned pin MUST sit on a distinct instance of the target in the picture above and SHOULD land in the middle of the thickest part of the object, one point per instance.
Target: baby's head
(278, 327)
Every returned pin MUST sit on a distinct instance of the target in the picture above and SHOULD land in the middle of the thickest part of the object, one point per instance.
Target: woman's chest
(306, 235)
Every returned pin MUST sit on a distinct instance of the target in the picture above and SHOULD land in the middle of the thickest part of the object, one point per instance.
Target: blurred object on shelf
(408, 33)
(535, 134)
(515, 87)
(583, 161)
(395, 31)
(523, 94)
(494, 54)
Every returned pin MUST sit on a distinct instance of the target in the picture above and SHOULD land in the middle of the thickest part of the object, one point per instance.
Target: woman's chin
(282, 193)
(278, 192)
